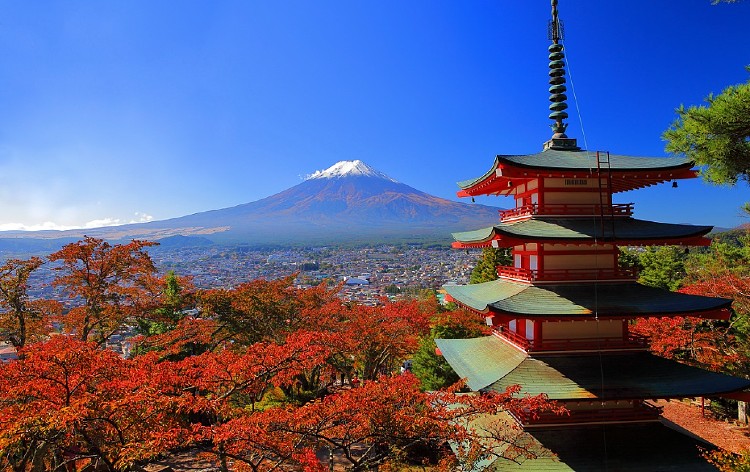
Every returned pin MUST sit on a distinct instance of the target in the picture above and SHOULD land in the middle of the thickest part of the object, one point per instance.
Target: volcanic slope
(350, 201)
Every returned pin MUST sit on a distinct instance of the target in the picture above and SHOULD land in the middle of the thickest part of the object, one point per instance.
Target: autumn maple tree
(371, 340)
(21, 318)
(724, 272)
(219, 391)
(261, 310)
(721, 271)
(362, 340)
(67, 403)
(384, 423)
(390, 421)
(105, 285)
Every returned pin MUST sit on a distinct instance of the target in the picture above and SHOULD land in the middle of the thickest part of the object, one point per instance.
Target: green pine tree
(431, 369)
(486, 268)
(716, 136)
(662, 267)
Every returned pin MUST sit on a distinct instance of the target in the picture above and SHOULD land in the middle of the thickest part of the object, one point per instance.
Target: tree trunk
(742, 412)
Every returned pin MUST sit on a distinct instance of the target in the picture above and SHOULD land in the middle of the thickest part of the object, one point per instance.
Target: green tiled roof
(490, 363)
(579, 160)
(479, 296)
(615, 376)
(475, 236)
(546, 228)
(480, 360)
(575, 300)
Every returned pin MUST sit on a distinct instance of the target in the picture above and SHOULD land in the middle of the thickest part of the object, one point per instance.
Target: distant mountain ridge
(349, 201)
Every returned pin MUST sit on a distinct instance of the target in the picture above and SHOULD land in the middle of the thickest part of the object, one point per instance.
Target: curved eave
(500, 241)
(623, 231)
(491, 363)
(470, 183)
(586, 161)
(587, 301)
(616, 377)
(481, 361)
(626, 172)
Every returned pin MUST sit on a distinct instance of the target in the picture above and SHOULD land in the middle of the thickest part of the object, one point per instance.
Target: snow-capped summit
(348, 169)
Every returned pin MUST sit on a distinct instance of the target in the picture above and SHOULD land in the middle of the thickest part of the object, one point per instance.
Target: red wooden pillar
(538, 333)
(521, 327)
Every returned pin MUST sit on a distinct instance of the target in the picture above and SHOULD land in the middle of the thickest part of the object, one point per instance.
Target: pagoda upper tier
(623, 173)
(583, 301)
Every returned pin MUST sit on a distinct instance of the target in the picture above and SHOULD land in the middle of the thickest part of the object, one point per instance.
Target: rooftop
(583, 301)
(554, 229)
(491, 363)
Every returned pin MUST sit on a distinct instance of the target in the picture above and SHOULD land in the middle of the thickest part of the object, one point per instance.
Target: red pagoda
(561, 312)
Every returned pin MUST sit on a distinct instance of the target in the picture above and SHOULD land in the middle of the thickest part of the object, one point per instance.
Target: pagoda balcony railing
(565, 275)
(642, 412)
(614, 343)
(567, 209)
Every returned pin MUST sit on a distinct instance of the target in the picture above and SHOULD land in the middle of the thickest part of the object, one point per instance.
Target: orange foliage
(106, 284)
(66, 401)
(21, 319)
(373, 340)
(216, 379)
(710, 343)
(723, 284)
(383, 421)
(261, 310)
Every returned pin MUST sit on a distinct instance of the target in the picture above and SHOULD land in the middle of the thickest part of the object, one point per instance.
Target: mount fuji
(348, 202)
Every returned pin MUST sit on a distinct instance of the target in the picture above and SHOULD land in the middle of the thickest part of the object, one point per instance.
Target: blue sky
(130, 111)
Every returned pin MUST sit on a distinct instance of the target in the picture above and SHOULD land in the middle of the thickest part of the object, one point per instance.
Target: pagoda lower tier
(491, 363)
(632, 447)
(594, 387)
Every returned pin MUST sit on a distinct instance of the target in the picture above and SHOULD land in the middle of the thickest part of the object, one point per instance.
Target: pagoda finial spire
(555, 30)
(557, 89)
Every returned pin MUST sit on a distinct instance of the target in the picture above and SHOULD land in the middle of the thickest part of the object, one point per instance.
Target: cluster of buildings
(367, 274)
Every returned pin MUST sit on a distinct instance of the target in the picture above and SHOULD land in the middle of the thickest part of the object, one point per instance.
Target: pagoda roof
(481, 361)
(641, 447)
(556, 229)
(601, 376)
(629, 172)
(581, 301)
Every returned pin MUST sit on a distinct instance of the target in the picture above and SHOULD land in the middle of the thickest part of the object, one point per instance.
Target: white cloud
(142, 218)
(103, 222)
(97, 223)
(46, 226)
(52, 226)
